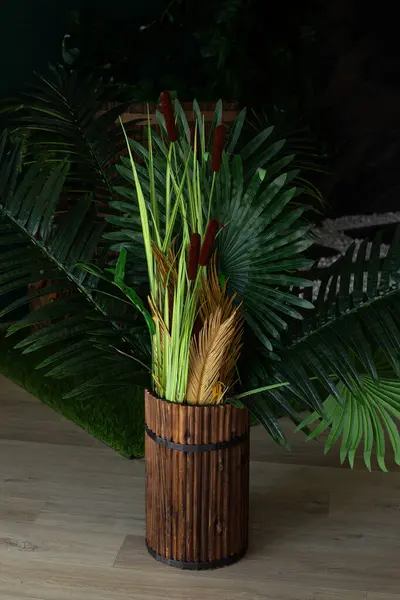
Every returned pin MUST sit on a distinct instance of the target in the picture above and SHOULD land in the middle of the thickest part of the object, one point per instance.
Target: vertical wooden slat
(168, 483)
(213, 479)
(246, 489)
(189, 497)
(232, 489)
(157, 456)
(196, 502)
(197, 483)
(183, 419)
(219, 525)
(226, 483)
(175, 487)
(205, 498)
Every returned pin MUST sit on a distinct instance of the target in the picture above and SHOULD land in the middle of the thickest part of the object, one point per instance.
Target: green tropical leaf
(235, 131)
(361, 416)
(64, 114)
(349, 347)
(48, 249)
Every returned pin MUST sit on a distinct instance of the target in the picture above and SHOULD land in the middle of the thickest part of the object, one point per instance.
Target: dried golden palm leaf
(208, 354)
(217, 393)
(166, 266)
(161, 339)
(228, 373)
(166, 275)
(212, 295)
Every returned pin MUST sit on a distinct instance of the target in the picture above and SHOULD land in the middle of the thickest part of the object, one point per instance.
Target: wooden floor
(72, 522)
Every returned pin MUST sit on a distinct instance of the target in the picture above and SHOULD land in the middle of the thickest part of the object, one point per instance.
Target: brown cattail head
(194, 252)
(208, 243)
(168, 112)
(218, 146)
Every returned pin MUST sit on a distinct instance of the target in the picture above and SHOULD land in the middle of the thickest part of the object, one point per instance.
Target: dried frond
(209, 356)
(166, 266)
(156, 314)
(160, 340)
(228, 373)
(212, 295)
(166, 274)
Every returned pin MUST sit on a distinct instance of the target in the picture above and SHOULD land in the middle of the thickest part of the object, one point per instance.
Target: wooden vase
(197, 483)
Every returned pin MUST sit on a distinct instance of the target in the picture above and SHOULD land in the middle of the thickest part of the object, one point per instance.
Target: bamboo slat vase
(197, 483)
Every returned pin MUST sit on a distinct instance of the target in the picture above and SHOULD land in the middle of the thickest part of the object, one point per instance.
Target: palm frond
(209, 354)
(300, 144)
(66, 309)
(260, 250)
(332, 352)
(362, 416)
(213, 295)
(64, 115)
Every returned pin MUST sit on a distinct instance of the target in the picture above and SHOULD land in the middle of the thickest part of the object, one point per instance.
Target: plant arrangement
(194, 317)
(211, 264)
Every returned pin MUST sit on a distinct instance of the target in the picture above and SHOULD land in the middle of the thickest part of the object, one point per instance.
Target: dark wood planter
(197, 483)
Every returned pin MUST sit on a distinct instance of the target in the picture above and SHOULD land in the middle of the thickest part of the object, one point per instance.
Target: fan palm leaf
(300, 145)
(365, 415)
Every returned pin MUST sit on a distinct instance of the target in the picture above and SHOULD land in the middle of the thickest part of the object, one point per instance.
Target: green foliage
(361, 415)
(62, 116)
(338, 351)
(64, 145)
(47, 248)
(301, 145)
(260, 248)
(114, 418)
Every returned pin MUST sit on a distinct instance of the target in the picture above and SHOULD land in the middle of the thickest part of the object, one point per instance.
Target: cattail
(194, 251)
(218, 146)
(171, 131)
(168, 112)
(207, 247)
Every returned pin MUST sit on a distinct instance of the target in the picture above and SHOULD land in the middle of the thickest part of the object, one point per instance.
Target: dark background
(31, 32)
(329, 68)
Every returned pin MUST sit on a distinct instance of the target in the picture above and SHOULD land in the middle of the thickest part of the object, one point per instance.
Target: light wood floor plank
(52, 581)
(19, 509)
(373, 596)
(54, 544)
(42, 425)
